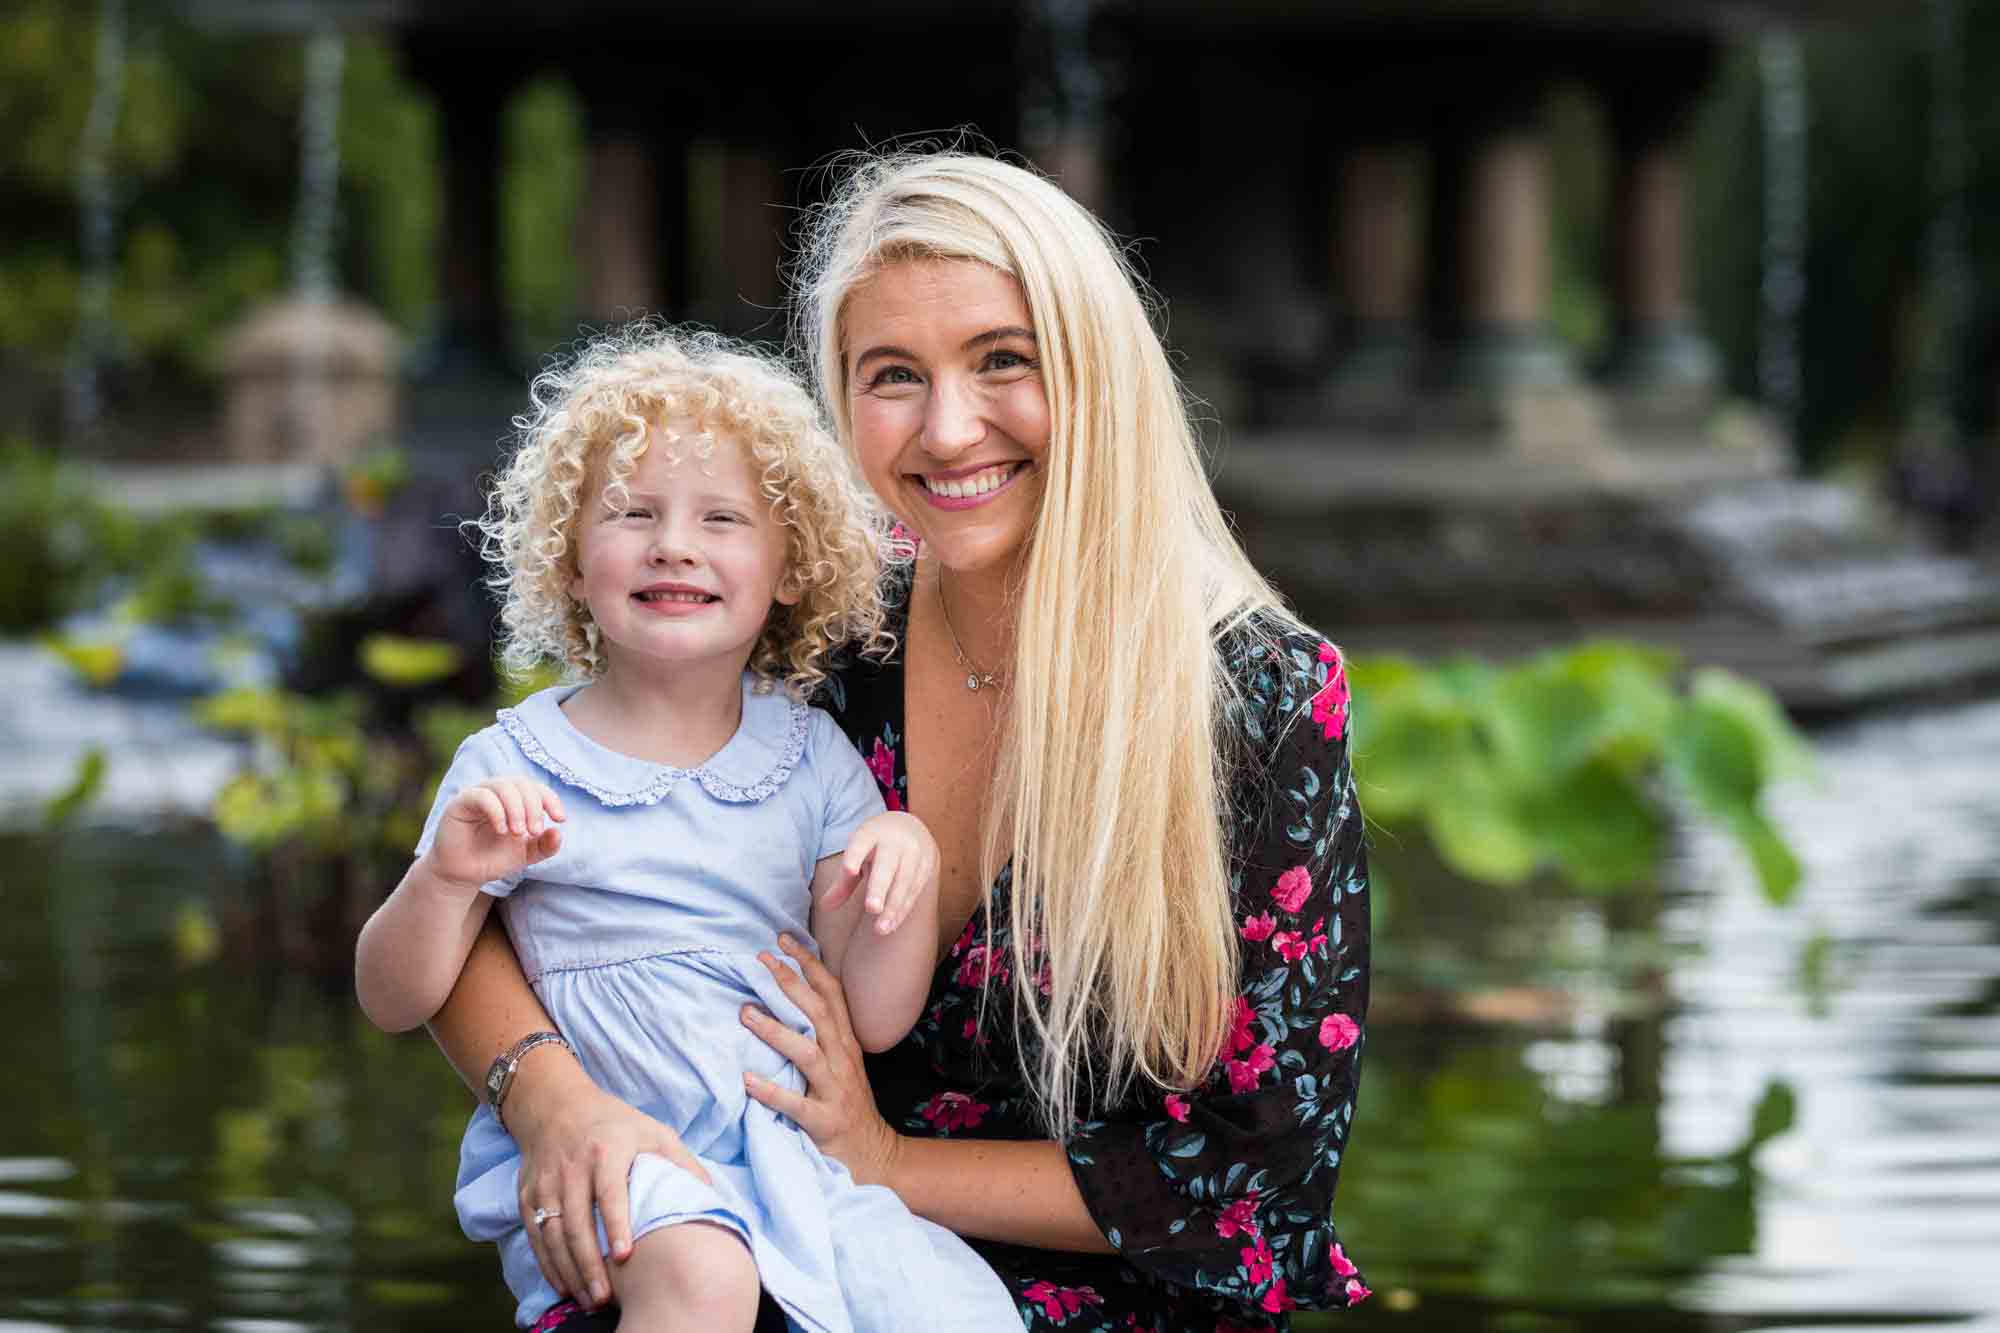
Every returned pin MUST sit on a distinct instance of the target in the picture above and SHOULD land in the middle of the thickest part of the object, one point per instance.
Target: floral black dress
(1219, 1201)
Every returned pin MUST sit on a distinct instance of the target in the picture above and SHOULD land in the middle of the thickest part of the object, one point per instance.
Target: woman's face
(950, 421)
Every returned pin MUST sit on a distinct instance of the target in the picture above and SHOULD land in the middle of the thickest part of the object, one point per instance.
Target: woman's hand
(837, 1109)
(576, 1157)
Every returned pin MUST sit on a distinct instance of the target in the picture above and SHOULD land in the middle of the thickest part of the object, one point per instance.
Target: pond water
(1677, 1112)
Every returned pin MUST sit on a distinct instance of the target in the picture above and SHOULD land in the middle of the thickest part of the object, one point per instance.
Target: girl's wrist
(446, 885)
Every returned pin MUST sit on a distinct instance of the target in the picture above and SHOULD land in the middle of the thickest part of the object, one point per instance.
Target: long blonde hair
(1111, 793)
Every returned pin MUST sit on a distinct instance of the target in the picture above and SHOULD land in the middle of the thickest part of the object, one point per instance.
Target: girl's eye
(726, 517)
(637, 513)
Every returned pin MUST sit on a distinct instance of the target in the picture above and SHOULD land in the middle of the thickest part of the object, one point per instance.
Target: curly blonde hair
(600, 408)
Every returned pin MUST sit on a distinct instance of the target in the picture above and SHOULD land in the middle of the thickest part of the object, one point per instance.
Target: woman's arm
(1023, 1193)
(577, 1141)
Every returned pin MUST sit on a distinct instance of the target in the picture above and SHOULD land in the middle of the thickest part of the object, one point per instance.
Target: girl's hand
(837, 1110)
(576, 1159)
(496, 828)
(898, 858)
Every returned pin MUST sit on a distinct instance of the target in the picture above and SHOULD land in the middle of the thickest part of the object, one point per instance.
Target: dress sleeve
(1228, 1188)
(851, 796)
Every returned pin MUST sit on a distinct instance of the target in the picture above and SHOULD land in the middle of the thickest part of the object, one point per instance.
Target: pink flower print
(1241, 1034)
(1177, 1108)
(882, 763)
(903, 544)
(1276, 1301)
(1045, 978)
(1342, 1265)
(1290, 944)
(555, 1315)
(1240, 1215)
(1059, 1303)
(1258, 928)
(963, 942)
(1330, 704)
(954, 1110)
(1257, 1262)
(1337, 1032)
(1245, 1074)
(1356, 1292)
(982, 964)
(1294, 887)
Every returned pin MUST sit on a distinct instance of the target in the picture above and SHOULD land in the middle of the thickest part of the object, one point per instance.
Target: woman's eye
(1001, 358)
(893, 375)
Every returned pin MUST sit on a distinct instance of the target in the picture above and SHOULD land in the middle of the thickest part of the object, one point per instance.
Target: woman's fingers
(578, 1227)
(828, 1007)
(794, 1045)
(796, 1106)
(545, 1239)
(614, 1205)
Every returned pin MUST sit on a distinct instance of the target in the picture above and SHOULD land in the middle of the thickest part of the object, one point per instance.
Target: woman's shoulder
(1282, 674)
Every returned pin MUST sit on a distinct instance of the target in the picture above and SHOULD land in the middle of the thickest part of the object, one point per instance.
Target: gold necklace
(975, 679)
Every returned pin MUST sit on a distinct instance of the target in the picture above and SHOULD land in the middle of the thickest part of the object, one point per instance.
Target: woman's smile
(968, 488)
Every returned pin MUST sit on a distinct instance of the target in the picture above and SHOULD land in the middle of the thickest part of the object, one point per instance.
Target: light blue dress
(640, 936)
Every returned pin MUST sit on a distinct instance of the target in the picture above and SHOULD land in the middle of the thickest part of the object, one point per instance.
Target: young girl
(679, 532)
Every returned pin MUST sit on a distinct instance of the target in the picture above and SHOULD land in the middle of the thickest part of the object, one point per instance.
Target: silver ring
(542, 1216)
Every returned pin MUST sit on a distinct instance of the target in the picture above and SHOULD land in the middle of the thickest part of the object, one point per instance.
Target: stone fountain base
(1438, 544)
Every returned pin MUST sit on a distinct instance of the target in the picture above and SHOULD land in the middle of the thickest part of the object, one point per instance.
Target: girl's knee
(695, 1276)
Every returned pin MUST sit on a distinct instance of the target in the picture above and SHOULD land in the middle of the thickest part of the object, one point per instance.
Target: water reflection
(1679, 1111)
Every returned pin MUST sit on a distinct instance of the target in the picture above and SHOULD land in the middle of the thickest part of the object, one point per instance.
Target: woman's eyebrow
(879, 353)
(997, 335)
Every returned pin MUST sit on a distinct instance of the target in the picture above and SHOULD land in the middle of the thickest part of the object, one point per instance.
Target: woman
(1135, 1075)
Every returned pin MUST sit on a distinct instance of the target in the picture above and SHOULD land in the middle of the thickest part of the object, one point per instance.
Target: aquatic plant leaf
(82, 789)
(1778, 869)
(1542, 724)
(98, 662)
(1480, 835)
(408, 663)
(1781, 751)
(1597, 826)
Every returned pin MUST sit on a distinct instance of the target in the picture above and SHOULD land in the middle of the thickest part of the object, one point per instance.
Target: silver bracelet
(500, 1076)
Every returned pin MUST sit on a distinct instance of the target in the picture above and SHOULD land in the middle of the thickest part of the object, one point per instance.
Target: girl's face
(683, 574)
(950, 420)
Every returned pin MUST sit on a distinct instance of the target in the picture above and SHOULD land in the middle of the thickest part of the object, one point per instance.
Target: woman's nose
(952, 420)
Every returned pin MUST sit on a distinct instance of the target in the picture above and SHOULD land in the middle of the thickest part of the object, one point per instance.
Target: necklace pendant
(972, 681)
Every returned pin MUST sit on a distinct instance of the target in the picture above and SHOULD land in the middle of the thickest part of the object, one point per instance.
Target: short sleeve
(482, 755)
(1228, 1188)
(851, 797)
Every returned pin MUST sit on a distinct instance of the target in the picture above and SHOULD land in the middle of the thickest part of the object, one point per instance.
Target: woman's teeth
(979, 483)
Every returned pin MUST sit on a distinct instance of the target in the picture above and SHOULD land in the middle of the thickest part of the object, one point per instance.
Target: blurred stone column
(1497, 186)
(1661, 371)
(1377, 245)
(618, 227)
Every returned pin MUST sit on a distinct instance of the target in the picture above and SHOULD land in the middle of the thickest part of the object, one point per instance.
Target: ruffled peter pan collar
(755, 762)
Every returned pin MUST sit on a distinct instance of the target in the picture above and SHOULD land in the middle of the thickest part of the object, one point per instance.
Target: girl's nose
(672, 546)
(952, 420)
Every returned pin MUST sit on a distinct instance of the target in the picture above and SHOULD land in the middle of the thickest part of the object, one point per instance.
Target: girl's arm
(875, 919)
(1022, 1193)
(412, 948)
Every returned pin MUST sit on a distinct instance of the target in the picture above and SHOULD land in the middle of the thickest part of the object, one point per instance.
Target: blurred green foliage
(64, 548)
(205, 167)
(1555, 764)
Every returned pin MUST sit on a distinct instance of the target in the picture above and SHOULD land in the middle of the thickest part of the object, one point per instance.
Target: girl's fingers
(552, 804)
(842, 890)
(880, 877)
(489, 809)
(510, 801)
